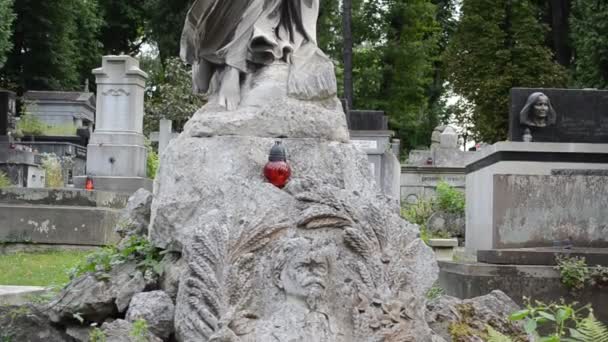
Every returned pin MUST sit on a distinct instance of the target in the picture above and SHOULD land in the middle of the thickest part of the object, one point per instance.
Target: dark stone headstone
(581, 116)
(7, 112)
(367, 120)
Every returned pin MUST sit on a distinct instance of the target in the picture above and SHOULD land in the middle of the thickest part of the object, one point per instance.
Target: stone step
(58, 224)
(18, 295)
(542, 255)
(65, 197)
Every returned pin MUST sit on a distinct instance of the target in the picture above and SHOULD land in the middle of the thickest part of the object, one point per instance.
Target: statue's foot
(229, 95)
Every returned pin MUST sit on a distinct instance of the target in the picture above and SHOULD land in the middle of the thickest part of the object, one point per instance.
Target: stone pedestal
(116, 151)
(519, 196)
(385, 167)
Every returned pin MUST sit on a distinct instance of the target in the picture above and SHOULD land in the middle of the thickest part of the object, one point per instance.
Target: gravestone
(369, 132)
(580, 116)
(164, 136)
(116, 155)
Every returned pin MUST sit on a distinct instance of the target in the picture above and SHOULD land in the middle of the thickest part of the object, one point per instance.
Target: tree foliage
(169, 93)
(6, 21)
(123, 25)
(54, 44)
(590, 39)
(499, 44)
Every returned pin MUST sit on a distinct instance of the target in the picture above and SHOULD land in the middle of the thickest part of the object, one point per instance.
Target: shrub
(53, 170)
(573, 271)
(30, 125)
(5, 182)
(152, 164)
(449, 199)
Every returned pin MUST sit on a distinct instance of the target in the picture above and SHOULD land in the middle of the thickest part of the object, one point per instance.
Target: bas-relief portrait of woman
(225, 40)
(538, 111)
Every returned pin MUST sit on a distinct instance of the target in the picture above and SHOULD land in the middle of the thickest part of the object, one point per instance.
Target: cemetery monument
(324, 258)
(116, 155)
(539, 195)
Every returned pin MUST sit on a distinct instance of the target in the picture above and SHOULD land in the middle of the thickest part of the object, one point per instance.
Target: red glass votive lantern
(277, 170)
(88, 184)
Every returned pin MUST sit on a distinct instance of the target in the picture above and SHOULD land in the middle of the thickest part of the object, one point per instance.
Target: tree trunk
(560, 30)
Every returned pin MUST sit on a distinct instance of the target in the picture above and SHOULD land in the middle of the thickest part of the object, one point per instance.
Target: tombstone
(164, 135)
(443, 161)
(116, 154)
(528, 202)
(448, 138)
(62, 108)
(572, 115)
(369, 131)
(16, 161)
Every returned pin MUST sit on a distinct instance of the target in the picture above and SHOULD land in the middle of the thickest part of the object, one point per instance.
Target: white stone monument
(116, 153)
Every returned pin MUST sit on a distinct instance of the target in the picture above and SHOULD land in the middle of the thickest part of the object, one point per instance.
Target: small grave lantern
(277, 170)
(88, 185)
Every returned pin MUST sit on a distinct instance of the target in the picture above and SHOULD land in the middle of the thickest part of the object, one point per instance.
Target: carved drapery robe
(246, 34)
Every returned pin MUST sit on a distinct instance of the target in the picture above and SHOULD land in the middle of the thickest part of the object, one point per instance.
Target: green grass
(38, 269)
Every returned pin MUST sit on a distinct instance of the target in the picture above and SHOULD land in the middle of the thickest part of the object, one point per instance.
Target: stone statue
(537, 111)
(330, 272)
(227, 40)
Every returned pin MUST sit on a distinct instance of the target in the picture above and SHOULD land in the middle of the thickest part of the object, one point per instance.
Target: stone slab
(443, 243)
(558, 153)
(18, 295)
(517, 158)
(65, 197)
(581, 115)
(539, 210)
(468, 280)
(63, 225)
(541, 256)
(125, 185)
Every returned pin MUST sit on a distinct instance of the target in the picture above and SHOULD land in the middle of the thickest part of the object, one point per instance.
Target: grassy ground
(38, 269)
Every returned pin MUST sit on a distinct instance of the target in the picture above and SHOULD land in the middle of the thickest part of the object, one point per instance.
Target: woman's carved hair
(527, 113)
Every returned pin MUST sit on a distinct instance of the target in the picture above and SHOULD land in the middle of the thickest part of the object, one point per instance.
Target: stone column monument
(116, 153)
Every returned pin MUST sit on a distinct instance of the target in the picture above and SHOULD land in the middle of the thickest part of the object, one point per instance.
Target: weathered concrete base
(58, 224)
(542, 256)
(18, 295)
(13, 248)
(443, 248)
(116, 184)
(468, 280)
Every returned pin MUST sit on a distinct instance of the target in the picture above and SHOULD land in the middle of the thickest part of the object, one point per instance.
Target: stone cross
(164, 135)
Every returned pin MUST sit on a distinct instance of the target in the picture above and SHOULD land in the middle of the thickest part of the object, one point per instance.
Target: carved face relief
(305, 275)
(538, 111)
(302, 271)
(541, 108)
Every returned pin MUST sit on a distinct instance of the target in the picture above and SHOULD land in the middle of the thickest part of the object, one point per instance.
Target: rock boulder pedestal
(327, 258)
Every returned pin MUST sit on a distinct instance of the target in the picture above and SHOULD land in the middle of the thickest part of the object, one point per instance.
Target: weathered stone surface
(450, 224)
(538, 211)
(266, 111)
(122, 331)
(135, 218)
(79, 333)
(470, 316)
(97, 299)
(259, 279)
(173, 266)
(156, 308)
(27, 323)
(205, 181)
